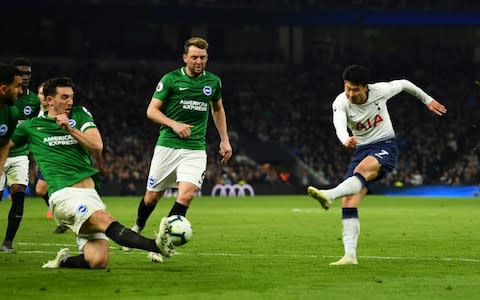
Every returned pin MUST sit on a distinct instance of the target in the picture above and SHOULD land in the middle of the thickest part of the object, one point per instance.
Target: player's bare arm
(437, 108)
(155, 114)
(90, 139)
(220, 120)
(99, 162)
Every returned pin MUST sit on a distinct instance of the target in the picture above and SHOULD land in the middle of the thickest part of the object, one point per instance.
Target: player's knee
(185, 197)
(98, 222)
(17, 188)
(98, 261)
(151, 198)
(39, 191)
(95, 253)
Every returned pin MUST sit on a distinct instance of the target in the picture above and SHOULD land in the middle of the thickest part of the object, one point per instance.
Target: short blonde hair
(197, 42)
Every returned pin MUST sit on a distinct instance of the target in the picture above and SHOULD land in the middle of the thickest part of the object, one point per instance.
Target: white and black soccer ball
(181, 230)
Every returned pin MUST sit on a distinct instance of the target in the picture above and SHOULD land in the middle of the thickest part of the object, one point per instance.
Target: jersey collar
(185, 73)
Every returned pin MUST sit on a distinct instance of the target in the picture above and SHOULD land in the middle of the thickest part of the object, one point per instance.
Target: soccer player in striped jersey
(63, 143)
(362, 108)
(181, 105)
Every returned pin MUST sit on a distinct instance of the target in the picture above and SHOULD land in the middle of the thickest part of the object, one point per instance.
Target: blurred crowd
(273, 95)
(293, 107)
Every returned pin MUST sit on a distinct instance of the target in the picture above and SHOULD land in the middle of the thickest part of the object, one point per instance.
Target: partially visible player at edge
(10, 89)
(362, 108)
(17, 165)
(181, 104)
(63, 143)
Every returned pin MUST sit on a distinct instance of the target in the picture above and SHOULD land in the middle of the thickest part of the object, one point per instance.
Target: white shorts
(170, 166)
(73, 206)
(15, 171)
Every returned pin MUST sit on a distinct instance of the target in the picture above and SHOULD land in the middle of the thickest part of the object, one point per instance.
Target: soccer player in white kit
(362, 108)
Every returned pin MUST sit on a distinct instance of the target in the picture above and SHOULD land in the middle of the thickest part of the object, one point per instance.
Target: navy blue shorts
(386, 152)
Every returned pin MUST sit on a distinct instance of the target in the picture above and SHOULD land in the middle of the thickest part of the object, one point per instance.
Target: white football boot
(155, 257)
(163, 239)
(321, 196)
(346, 260)
(55, 263)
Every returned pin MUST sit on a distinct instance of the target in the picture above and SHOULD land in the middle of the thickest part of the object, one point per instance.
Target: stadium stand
(279, 94)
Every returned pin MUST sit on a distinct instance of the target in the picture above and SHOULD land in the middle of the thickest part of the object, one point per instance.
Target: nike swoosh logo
(183, 88)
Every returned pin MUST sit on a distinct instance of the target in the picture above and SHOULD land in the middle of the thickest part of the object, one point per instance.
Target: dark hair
(356, 74)
(197, 42)
(21, 61)
(50, 87)
(8, 73)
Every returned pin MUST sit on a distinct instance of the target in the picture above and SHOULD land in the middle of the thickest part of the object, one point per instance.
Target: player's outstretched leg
(321, 196)
(136, 229)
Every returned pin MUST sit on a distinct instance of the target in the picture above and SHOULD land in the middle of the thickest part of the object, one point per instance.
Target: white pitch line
(458, 259)
(46, 244)
(307, 210)
(360, 257)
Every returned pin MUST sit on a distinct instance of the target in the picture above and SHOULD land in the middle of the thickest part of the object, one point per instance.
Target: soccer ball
(181, 230)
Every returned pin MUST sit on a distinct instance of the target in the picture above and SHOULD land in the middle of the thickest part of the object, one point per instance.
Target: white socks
(350, 233)
(349, 186)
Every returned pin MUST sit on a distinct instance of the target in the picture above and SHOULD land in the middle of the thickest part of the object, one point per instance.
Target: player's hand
(351, 142)
(182, 130)
(63, 121)
(437, 108)
(225, 151)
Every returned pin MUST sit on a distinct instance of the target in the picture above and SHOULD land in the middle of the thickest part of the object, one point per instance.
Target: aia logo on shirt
(370, 123)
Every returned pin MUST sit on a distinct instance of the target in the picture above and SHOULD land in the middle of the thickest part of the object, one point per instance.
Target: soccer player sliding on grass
(362, 108)
(63, 143)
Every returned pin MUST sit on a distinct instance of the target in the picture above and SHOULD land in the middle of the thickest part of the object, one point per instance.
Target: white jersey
(370, 122)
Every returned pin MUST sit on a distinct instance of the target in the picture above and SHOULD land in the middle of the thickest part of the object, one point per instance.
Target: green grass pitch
(264, 247)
